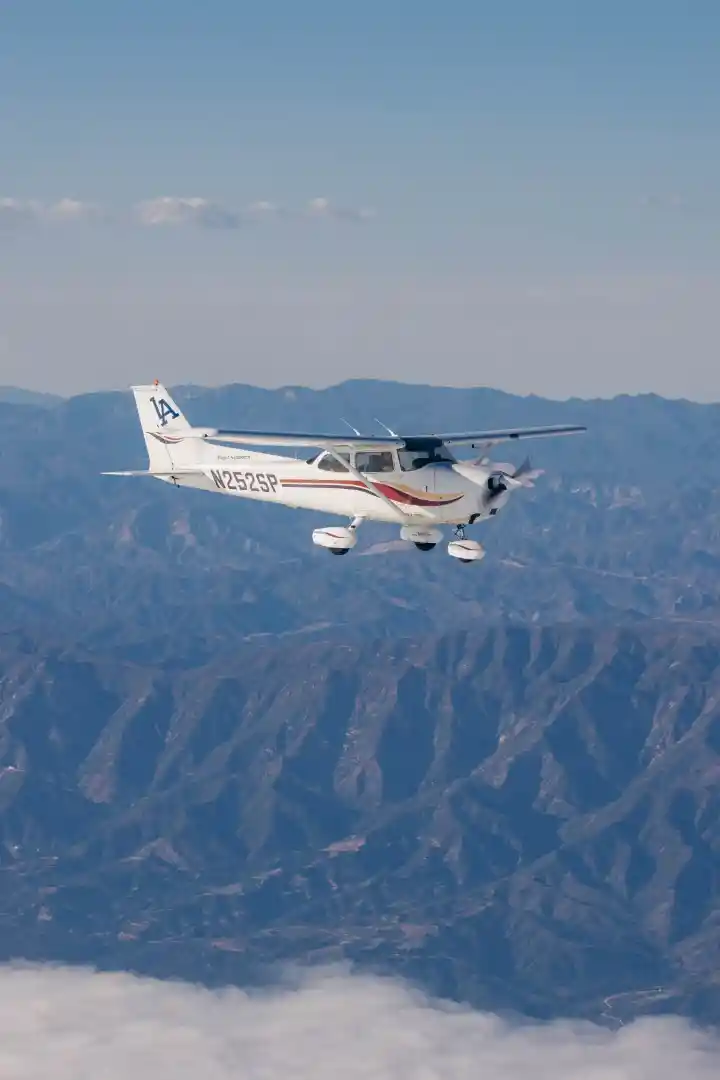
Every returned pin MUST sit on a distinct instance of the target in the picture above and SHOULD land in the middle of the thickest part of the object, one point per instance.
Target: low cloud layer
(170, 210)
(64, 1024)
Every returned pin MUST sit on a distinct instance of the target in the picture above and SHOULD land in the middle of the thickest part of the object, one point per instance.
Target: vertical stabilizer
(167, 433)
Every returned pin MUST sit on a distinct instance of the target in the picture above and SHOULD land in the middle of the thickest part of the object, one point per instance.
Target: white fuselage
(441, 493)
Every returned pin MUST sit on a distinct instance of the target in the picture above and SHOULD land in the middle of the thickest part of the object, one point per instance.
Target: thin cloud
(17, 212)
(169, 211)
(264, 210)
(324, 208)
(71, 210)
(14, 211)
(174, 210)
(62, 1023)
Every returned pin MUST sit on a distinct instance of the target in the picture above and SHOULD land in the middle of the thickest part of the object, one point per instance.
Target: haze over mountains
(223, 748)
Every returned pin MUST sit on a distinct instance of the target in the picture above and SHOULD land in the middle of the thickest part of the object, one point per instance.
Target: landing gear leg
(459, 531)
(351, 530)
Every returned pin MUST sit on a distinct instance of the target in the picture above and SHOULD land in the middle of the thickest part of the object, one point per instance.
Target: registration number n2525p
(232, 480)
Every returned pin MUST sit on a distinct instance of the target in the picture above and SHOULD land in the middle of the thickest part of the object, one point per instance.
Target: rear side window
(331, 464)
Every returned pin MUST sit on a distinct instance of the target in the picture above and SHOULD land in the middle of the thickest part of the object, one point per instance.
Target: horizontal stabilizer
(182, 471)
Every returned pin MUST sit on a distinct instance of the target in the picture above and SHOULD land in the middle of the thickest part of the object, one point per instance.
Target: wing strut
(401, 515)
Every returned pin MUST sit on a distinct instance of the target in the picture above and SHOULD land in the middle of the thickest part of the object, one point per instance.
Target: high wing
(290, 438)
(358, 442)
(491, 438)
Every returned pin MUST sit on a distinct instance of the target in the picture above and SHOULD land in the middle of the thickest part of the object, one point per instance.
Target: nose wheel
(464, 550)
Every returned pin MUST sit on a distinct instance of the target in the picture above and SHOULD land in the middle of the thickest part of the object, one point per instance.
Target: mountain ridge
(393, 803)
(16, 395)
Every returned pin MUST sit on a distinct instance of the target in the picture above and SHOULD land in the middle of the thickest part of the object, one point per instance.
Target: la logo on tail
(164, 411)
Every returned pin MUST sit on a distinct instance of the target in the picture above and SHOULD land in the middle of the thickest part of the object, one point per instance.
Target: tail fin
(168, 435)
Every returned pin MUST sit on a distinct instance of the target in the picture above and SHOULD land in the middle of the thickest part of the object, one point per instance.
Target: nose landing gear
(466, 551)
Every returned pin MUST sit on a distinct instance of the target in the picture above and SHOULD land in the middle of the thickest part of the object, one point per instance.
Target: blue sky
(514, 193)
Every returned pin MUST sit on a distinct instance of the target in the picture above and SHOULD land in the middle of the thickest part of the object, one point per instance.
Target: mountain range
(221, 749)
(624, 526)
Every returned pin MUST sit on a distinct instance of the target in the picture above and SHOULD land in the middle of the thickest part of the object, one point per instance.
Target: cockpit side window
(377, 462)
(413, 459)
(331, 464)
(429, 455)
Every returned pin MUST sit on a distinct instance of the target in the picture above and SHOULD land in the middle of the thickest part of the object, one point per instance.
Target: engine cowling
(335, 538)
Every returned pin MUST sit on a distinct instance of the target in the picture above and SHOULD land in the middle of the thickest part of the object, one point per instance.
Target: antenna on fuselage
(351, 427)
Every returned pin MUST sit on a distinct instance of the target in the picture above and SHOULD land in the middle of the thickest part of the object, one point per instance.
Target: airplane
(413, 481)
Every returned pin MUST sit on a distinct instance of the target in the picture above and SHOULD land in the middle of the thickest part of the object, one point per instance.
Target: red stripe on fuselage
(395, 494)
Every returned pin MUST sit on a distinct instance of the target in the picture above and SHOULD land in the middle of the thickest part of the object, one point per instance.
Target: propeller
(506, 477)
(525, 474)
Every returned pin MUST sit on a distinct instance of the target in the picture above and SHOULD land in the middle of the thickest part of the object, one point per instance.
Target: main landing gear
(338, 540)
(423, 537)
